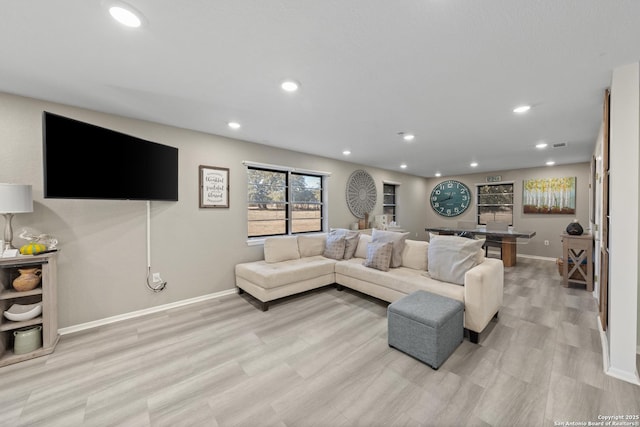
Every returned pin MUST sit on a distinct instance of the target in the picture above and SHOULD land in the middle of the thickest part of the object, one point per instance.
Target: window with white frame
(283, 201)
(495, 203)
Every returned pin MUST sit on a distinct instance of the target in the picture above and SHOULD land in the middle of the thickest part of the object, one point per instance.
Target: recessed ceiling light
(408, 137)
(290, 85)
(473, 164)
(346, 152)
(550, 163)
(541, 145)
(403, 166)
(126, 15)
(438, 174)
(234, 125)
(522, 109)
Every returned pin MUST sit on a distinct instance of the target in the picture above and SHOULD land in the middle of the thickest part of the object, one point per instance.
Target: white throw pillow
(311, 244)
(450, 257)
(379, 255)
(361, 250)
(397, 239)
(415, 254)
(281, 248)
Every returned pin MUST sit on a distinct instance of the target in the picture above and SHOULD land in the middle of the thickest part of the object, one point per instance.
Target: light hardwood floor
(322, 359)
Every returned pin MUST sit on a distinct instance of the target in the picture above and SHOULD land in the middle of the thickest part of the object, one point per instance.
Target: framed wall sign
(214, 187)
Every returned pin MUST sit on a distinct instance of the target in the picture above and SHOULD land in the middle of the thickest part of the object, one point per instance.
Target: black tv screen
(84, 161)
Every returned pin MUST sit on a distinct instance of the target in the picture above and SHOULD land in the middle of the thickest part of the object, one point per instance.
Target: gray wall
(102, 262)
(547, 227)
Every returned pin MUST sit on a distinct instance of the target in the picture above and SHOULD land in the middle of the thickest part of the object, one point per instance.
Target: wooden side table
(578, 258)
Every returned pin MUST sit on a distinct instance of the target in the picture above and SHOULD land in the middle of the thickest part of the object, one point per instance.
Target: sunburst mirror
(361, 193)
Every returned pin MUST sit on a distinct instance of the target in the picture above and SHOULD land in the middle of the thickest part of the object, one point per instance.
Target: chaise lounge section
(294, 264)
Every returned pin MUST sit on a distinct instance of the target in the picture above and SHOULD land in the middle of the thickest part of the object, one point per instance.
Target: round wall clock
(361, 193)
(450, 198)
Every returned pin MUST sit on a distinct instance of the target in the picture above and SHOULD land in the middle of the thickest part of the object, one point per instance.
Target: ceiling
(449, 71)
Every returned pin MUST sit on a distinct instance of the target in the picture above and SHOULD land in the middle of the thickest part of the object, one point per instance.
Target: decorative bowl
(20, 312)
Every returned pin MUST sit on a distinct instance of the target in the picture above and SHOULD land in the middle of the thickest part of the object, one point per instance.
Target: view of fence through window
(495, 203)
(282, 202)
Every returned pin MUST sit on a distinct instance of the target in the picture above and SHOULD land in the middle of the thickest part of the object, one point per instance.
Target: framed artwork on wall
(549, 196)
(214, 187)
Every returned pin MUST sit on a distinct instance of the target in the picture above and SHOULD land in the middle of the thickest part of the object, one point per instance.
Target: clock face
(450, 198)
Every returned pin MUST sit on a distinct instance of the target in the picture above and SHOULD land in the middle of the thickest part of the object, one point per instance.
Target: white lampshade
(15, 198)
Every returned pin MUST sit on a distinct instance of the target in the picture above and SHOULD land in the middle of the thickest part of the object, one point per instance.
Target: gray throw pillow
(379, 255)
(351, 239)
(397, 239)
(334, 248)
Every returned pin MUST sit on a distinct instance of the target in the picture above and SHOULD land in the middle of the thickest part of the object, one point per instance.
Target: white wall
(624, 232)
(102, 263)
(598, 219)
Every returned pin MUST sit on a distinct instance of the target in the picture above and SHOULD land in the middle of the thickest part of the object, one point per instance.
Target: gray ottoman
(426, 326)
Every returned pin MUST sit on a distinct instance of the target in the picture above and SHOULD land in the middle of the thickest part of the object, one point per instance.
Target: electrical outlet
(156, 278)
(546, 243)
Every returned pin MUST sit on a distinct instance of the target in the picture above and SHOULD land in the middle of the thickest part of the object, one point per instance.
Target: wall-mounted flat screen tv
(85, 161)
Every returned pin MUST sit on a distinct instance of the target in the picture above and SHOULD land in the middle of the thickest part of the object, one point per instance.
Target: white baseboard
(544, 258)
(630, 377)
(138, 313)
(624, 375)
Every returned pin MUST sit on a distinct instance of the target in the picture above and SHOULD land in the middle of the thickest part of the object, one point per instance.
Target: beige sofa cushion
(401, 279)
(450, 257)
(311, 244)
(281, 248)
(415, 254)
(398, 240)
(271, 275)
(361, 249)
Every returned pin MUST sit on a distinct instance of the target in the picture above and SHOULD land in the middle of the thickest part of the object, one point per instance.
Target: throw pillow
(334, 247)
(281, 248)
(397, 239)
(379, 255)
(450, 257)
(361, 250)
(351, 240)
(414, 254)
(351, 244)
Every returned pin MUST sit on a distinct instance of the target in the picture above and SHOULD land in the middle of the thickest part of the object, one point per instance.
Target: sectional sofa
(450, 266)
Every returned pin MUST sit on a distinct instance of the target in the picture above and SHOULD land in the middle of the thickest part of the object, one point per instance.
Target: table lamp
(14, 198)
